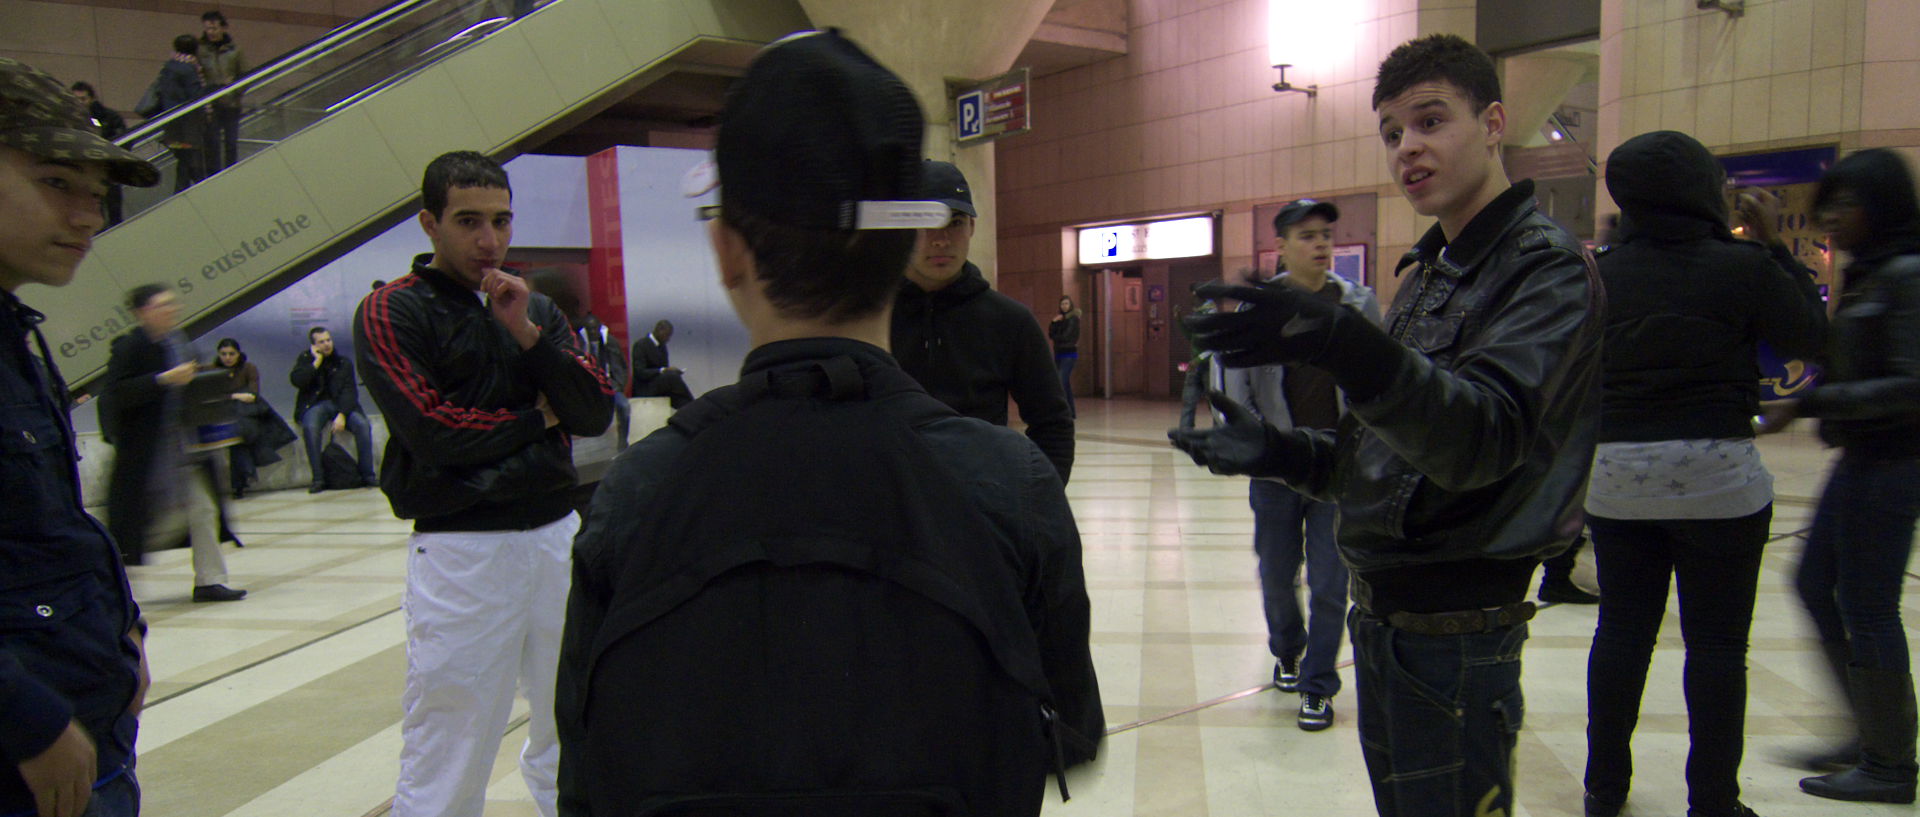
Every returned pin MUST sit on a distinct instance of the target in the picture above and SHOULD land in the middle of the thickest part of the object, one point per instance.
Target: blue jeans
(1439, 717)
(1856, 558)
(1065, 364)
(314, 425)
(1717, 565)
(622, 415)
(1280, 515)
(119, 797)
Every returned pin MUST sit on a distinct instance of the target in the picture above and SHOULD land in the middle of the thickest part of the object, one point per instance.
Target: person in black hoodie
(969, 346)
(1678, 487)
(1852, 571)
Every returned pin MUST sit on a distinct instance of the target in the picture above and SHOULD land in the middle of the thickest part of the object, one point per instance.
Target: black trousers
(1717, 564)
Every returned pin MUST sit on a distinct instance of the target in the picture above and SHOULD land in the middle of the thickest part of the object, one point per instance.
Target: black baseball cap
(1299, 209)
(819, 136)
(944, 183)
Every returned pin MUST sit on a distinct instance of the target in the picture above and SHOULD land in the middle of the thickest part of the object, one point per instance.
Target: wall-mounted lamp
(1733, 8)
(1283, 86)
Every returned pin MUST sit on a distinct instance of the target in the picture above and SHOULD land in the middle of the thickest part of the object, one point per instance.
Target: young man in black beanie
(820, 584)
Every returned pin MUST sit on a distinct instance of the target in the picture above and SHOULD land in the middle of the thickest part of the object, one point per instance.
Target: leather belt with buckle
(1463, 622)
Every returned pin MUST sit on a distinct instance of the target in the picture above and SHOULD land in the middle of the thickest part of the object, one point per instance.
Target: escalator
(338, 132)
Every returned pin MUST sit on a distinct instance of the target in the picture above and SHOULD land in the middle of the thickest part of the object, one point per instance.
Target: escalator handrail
(292, 62)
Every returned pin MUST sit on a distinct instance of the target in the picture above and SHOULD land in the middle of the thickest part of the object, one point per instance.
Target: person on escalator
(180, 83)
(221, 64)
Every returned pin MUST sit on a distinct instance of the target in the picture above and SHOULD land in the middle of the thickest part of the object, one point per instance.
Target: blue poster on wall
(1791, 175)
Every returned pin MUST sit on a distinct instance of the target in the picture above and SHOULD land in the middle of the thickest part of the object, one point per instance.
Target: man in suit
(330, 397)
(652, 375)
(153, 474)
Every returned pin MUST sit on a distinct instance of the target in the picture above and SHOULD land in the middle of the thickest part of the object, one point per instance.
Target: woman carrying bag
(262, 431)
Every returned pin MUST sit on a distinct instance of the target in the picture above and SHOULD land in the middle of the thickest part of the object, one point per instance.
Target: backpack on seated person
(337, 469)
(817, 625)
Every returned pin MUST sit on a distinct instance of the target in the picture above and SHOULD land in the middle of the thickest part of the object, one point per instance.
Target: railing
(306, 85)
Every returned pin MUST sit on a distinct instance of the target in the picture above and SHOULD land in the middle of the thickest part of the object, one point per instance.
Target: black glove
(1287, 325)
(1244, 444)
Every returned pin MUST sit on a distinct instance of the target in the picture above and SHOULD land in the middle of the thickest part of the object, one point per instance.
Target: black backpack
(816, 626)
(337, 469)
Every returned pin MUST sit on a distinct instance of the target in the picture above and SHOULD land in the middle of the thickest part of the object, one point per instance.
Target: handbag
(149, 103)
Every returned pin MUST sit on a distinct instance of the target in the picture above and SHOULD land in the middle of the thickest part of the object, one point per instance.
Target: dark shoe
(1286, 675)
(239, 492)
(1844, 755)
(1887, 770)
(217, 592)
(1596, 807)
(369, 482)
(1564, 591)
(316, 487)
(1739, 810)
(1316, 712)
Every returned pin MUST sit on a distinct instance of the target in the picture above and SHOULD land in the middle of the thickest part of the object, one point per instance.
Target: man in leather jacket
(1463, 458)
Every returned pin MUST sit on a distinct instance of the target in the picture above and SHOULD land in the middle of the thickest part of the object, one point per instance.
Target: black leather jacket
(1869, 399)
(1479, 450)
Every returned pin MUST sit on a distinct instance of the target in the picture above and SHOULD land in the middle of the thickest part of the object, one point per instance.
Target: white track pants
(484, 613)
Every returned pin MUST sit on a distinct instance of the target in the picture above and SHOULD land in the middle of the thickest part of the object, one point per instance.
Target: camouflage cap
(39, 116)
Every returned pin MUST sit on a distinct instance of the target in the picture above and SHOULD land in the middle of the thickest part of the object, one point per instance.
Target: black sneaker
(1286, 675)
(316, 487)
(217, 592)
(1316, 712)
(1564, 591)
(1593, 806)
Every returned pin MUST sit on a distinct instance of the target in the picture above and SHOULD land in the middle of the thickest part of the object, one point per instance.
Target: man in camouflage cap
(73, 671)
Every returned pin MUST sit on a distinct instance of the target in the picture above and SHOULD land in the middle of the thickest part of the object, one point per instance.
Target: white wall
(670, 268)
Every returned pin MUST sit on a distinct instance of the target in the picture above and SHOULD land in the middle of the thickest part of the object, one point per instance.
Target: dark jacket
(179, 83)
(112, 124)
(648, 359)
(815, 455)
(1868, 400)
(134, 417)
(262, 430)
(332, 380)
(468, 448)
(1475, 457)
(599, 343)
(972, 347)
(1065, 333)
(1686, 301)
(65, 606)
(223, 63)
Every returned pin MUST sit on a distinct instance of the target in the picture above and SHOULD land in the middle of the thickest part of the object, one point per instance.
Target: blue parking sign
(970, 115)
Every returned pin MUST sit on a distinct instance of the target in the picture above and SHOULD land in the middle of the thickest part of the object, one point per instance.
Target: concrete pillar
(927, 43)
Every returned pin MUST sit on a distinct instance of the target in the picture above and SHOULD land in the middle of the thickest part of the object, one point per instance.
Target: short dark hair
(186, 44)
(85, 86)
(829, 275)
(1443, 57)
(315, 331)
(140, 295)
(461, 168)
(213, 15)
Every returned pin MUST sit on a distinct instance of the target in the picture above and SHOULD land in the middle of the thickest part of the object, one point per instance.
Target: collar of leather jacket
(1483, 233)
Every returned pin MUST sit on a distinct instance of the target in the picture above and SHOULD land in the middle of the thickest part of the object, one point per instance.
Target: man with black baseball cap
(1301, 396)
(972, 347)
(73, 671)
(819, 584)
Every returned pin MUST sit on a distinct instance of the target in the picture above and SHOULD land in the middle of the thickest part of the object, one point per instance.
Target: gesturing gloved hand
(1280, 324)
(1287, 325)
(1244, 444)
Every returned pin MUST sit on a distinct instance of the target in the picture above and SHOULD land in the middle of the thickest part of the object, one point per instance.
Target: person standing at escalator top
(221, 64)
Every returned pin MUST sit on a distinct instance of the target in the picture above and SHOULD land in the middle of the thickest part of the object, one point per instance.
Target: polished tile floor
(288, 703)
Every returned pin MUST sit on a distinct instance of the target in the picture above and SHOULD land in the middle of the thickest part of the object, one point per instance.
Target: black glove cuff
(1363, 360)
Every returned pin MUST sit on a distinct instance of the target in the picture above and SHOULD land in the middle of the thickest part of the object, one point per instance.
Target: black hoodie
(1687, 302)
(971, 347)
(1869, 398)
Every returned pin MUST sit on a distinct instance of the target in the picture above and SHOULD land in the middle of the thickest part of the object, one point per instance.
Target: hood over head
(1666, 181)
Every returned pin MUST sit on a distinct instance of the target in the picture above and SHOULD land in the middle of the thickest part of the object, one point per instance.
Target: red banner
(606, 271)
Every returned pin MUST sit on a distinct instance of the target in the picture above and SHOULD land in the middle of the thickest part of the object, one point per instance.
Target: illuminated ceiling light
(1316, 36)
(1556, 136)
